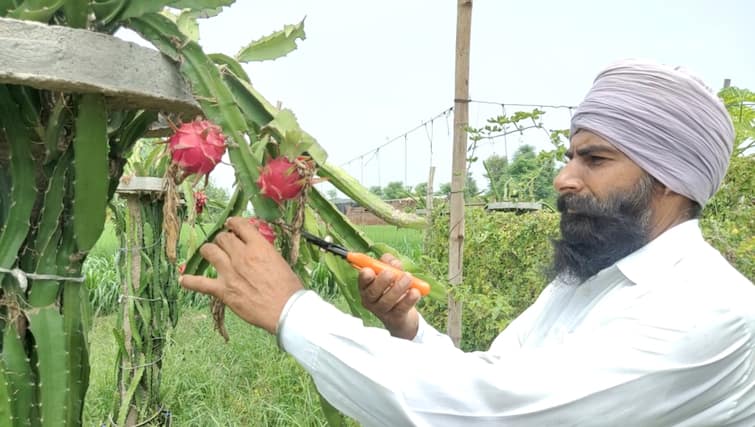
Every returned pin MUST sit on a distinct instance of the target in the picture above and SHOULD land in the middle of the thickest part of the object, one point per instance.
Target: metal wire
(23, 277)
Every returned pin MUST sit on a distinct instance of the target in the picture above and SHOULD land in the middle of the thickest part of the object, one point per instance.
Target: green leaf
(346, 278)
(36, 10)
(91, 162)
(232, 64)
(187, 23)
(76, 12)
(5, 6)
(200, 4)
(352, 188)
(23, 190)
(337, 222)
(137, 8)
(275, 45)
(18, 375)
(6, 415)
(107, 11)
(46, 324)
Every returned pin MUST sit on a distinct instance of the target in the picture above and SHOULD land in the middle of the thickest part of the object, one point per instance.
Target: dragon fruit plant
(62, 156)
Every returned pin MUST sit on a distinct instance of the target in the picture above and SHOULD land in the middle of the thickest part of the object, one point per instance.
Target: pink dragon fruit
(200, 201)
(197, 146)
(280, 180)
(264, 228)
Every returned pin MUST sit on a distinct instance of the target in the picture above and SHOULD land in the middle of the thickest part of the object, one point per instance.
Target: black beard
(597, 233)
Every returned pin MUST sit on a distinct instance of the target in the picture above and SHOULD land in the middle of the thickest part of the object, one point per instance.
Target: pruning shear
(360, 260)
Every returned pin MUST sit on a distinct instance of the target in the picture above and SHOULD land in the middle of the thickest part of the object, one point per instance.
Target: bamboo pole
(459, 165)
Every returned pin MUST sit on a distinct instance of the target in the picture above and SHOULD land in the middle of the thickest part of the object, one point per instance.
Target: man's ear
(660, 188)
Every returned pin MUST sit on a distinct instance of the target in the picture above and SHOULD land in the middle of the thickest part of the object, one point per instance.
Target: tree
(332, 194)
(529, 175)
(216, 193)
(496, 170)
(445, 189)
(470, 188)
(375, 189)
(395, 190)
(420, 190)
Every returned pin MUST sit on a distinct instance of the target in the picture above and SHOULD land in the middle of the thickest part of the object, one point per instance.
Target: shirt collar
(661, 253)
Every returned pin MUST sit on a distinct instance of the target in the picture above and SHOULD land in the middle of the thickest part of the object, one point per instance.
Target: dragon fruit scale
(264, 228)
(280, 180)
(197, 146)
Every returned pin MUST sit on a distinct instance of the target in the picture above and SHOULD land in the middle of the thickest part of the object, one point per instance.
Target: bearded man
(644, 323)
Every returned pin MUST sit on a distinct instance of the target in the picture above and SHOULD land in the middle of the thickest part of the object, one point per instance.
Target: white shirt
(665, 337)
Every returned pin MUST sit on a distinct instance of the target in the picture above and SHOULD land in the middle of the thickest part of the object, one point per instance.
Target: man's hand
(253, 278)
(391, 299)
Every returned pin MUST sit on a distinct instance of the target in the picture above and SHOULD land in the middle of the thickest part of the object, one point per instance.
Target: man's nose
(568, 180)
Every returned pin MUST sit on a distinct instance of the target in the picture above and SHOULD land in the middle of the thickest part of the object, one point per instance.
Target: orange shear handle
(359, 260)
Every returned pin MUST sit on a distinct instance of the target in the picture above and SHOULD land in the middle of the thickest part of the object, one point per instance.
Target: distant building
(344, 205)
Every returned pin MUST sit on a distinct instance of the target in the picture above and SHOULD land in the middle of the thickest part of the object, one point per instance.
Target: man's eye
(595, 160)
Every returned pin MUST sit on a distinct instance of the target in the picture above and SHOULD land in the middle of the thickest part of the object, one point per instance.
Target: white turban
(665, 120)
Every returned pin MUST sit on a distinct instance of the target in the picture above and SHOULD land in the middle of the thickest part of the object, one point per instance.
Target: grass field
(206, 382)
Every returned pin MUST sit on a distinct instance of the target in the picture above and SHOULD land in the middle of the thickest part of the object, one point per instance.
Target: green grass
(407, 241)
(205, 382)
(108, 244)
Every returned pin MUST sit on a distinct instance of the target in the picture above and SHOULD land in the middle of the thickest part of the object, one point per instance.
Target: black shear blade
(328, 246)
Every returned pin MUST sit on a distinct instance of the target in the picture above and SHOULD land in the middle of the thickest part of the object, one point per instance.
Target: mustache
(583, 205)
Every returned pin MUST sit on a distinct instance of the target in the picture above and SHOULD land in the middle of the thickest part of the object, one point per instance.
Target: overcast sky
(369, 71)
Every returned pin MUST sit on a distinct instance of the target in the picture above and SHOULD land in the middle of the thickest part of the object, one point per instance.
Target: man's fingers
(394, 294)
(230, 243)
(244, 229)
(365, 278)
(200, 284)
(410, 299)
(399, 288)
(392, 261)
(372, 293)
(215, 256)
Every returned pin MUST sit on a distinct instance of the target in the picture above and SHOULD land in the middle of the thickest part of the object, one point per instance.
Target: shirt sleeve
(428, 335)
(613, 377)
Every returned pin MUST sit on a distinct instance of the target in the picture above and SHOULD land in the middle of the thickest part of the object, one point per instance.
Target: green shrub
(728, 221)
(505, 257)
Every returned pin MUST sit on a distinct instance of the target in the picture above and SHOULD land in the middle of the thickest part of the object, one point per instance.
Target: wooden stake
(429, 205)
(459, 164)
(429, 193)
